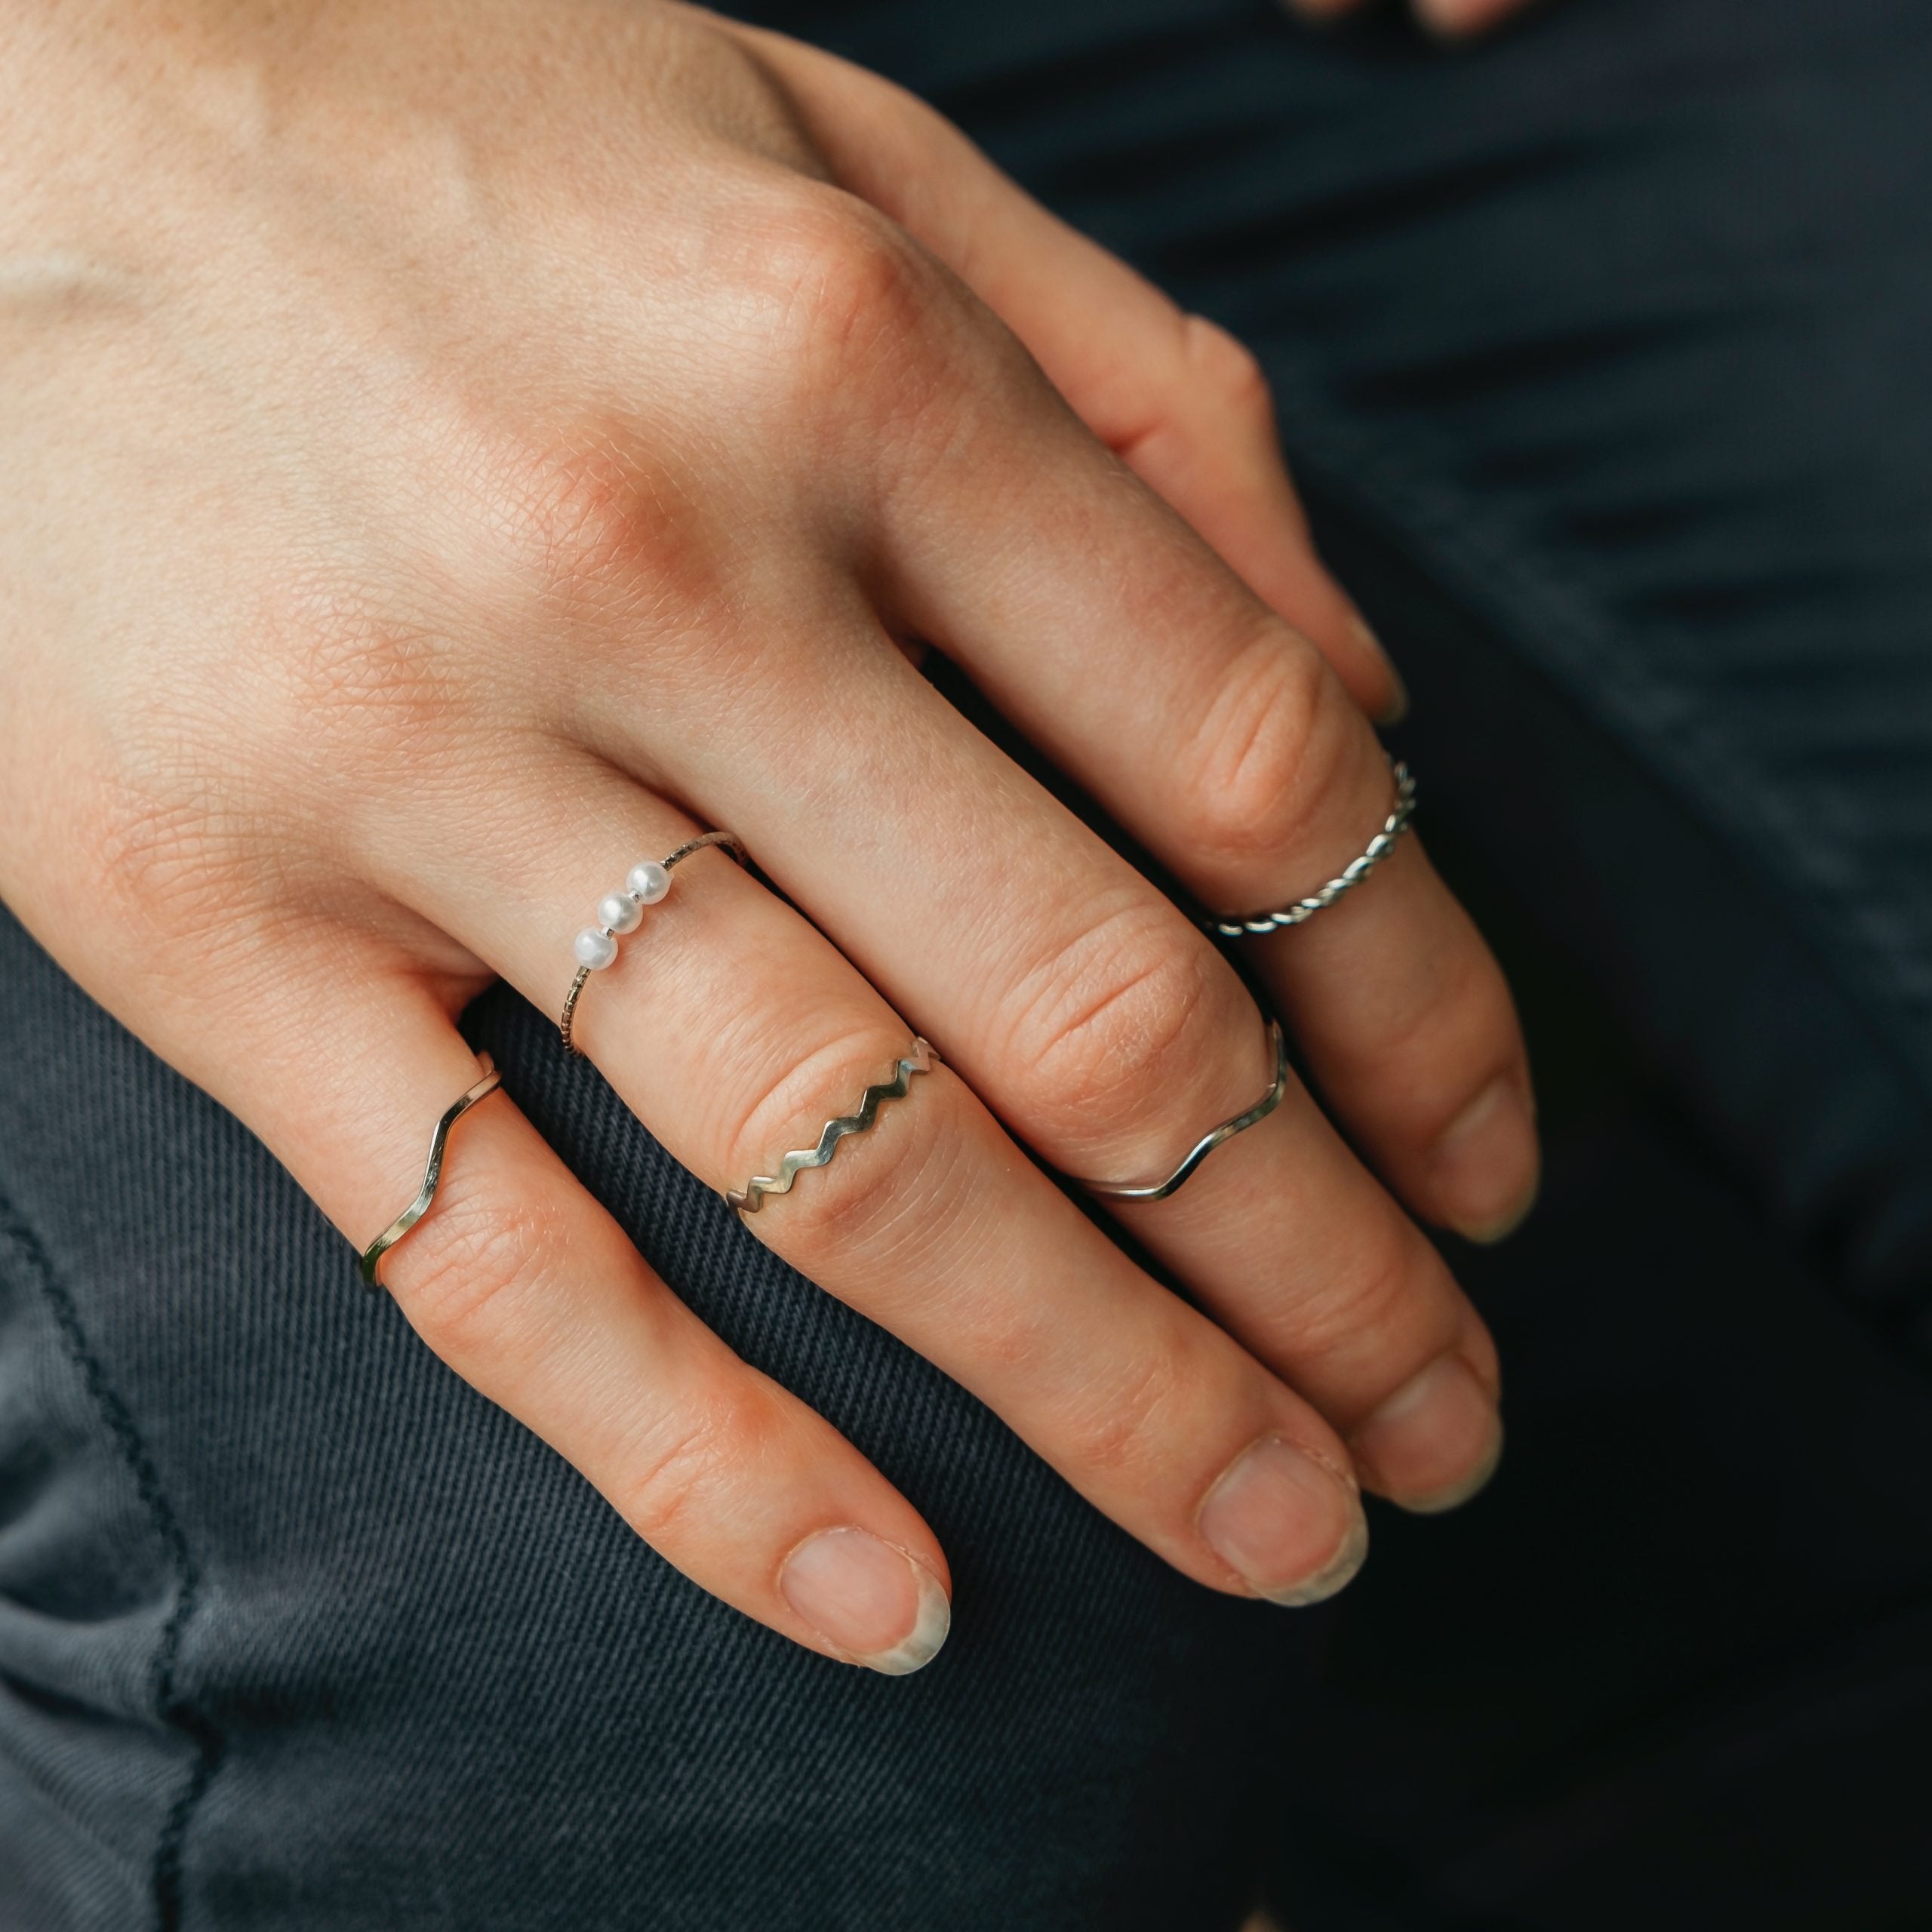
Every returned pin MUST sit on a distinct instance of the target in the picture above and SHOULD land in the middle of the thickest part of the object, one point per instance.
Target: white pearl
(647, 880)
(619, 913)
(594, 948)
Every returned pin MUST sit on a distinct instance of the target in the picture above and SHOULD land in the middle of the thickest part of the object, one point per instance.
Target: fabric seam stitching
(171, 1708)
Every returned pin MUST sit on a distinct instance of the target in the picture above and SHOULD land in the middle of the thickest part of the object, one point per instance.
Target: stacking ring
(750, 1198)
(1159, 1190)
(1350, 876)
(644, 884)
(432, 1172)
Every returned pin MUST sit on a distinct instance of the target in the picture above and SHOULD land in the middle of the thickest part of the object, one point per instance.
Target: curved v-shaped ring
(432, 1172)
(1159, 1190)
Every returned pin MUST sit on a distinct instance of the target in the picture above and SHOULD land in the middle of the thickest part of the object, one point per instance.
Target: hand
(452, 452)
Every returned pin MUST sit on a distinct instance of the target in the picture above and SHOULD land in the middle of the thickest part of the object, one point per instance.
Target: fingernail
(1397, 708)
(1293, 1531)
(871, 1602)
(1484, 1165)
(1435, 1442)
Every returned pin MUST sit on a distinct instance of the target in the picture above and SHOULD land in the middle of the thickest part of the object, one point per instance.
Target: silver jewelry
(749, 1199)
(1351, 875)
(432, 1172)
(1159, 1190)
(644, 884)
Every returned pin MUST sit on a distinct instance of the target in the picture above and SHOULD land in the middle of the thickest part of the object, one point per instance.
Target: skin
(1454, 20)
(453, 451)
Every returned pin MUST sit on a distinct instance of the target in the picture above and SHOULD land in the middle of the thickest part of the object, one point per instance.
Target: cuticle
(1342, 1474)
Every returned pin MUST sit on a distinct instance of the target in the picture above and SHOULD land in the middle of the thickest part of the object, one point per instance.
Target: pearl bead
(620, 912)
(594, 948)
(647, 880)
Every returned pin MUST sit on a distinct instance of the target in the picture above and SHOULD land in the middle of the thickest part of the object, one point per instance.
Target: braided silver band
(750, 1198)
(1159, 1190)
(432, 1172)
(1350, 876)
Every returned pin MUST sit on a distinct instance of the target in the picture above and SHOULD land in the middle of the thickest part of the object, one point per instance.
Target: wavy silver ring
(644, 884)
(749, 1199)
(1159, 1190)
(432, 1172)
(1350, 876)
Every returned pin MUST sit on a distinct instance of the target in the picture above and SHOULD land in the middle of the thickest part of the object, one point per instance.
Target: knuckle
(1131, 1434)
(1367, 1315)
(1225, 367)
(474, 1277)
(1445, 1028)
(590, 526)
(674, 1476)
(1123, 1013)
(1271, 750)
(1441, 1039)
(855, 297)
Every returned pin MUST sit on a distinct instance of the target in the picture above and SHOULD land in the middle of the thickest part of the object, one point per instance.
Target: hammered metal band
(644, 884)
(750, 1198)
(1159, 1190)
(432, 1172)
(1350, 876)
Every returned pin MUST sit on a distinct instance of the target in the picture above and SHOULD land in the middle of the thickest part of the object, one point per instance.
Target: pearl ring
(621, 911)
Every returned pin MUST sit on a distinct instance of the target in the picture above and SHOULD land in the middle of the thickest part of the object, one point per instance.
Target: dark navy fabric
(1601, 352)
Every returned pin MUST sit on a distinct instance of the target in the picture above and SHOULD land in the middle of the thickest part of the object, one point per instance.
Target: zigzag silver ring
(432, 1172)
(1346, 880)
(620, 912)
(748, 1199)
(1159, 1190)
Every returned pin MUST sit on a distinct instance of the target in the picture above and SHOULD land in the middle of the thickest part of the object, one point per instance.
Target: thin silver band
(1159, 1190)
(432, 1172)
(749, 1199)
(671, 861)
(1350, 876)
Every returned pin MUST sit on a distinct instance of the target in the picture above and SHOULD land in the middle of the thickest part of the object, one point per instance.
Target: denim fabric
(1602, 355)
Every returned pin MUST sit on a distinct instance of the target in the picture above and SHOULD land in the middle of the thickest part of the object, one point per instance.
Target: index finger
(1178, 398)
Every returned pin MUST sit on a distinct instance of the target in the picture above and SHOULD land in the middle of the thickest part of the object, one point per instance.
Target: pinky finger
(525, 1286)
